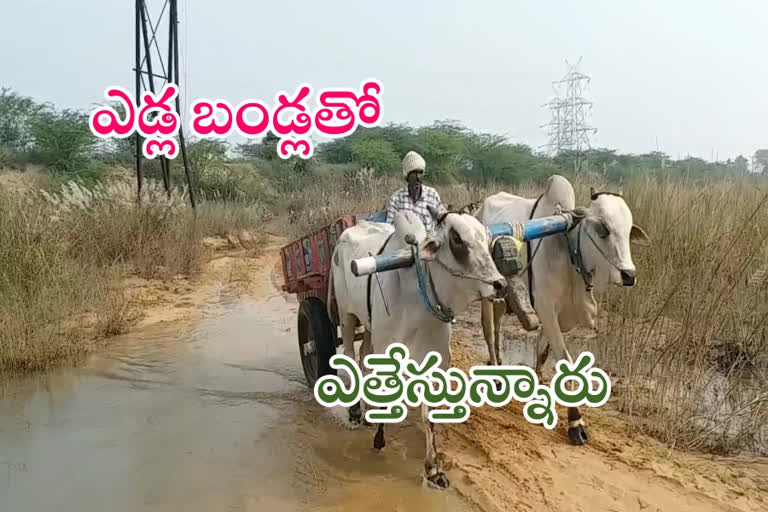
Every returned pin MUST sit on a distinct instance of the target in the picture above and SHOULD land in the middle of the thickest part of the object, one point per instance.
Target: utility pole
(568, 129)
(144, 68)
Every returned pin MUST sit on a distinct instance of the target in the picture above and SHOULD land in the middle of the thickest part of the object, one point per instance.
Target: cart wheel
(317, 343)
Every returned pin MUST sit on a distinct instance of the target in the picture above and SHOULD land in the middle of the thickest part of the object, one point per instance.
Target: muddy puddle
(208, 417)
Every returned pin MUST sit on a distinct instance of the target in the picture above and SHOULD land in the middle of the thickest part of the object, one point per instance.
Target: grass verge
(62, 254)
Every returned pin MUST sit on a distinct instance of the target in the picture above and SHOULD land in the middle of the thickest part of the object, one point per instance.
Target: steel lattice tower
(146, 72)
(568, 128)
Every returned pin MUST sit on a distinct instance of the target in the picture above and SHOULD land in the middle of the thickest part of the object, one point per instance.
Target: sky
(686, 76)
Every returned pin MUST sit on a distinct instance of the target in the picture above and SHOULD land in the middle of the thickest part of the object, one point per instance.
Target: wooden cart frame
(306, 268)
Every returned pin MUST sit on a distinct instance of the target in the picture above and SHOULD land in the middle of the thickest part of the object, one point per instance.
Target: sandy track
(232, 272)
(500, 462)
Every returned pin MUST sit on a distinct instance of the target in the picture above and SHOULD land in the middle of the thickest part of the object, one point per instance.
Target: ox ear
(639, 237)
(429, 249)
(592, 193)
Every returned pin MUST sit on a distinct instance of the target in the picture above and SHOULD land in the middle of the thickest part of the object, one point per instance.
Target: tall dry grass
(43, 289)
(687, 346)
(61, 254)
(104, 226)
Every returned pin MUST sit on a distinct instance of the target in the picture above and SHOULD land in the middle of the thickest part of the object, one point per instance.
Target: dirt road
(209, 411)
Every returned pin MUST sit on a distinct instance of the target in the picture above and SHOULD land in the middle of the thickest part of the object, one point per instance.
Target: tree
(17, 114)
(442, 146)
(266, 149)
(740, 164)
(62, 140)
(201, 153)
(378, 154)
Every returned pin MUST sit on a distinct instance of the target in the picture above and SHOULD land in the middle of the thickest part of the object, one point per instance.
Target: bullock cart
(306, 270)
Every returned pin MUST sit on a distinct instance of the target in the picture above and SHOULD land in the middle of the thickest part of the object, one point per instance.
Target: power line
(568, 129)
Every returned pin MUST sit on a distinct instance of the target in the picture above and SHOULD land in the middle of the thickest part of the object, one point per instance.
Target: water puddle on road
(216, 416)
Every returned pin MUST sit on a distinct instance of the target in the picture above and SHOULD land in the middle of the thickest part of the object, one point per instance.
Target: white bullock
(564, 269)
(462, 272)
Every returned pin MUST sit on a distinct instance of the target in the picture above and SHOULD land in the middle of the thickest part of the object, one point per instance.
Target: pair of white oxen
(564, 270)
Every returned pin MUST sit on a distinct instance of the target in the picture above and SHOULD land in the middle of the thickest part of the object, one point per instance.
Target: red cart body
(306, 269)
(307, 261)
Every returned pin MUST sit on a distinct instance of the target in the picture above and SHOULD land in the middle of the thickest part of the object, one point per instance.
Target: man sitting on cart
(415, 196)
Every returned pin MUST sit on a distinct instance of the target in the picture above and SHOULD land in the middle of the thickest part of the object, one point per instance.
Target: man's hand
(391, 209)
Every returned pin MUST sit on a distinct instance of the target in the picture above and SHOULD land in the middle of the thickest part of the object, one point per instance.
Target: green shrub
(62, 141)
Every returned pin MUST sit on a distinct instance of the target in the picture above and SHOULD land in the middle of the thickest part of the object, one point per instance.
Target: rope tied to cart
(381, 292)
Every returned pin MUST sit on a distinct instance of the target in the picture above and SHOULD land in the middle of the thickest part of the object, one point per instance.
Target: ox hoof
(378, 441)
(578, 435)
(437, 481)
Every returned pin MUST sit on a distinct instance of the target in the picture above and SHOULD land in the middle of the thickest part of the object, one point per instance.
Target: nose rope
(602, 253)
(427, 286)
(463, 275)
(577, 258)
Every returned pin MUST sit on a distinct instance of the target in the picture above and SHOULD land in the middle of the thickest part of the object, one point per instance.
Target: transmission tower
(568, 129)
(146, 70)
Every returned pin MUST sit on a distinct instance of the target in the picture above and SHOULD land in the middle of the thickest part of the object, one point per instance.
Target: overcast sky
(690, 74)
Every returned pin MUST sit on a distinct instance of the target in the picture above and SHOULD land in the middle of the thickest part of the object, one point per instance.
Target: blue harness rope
(427, 288)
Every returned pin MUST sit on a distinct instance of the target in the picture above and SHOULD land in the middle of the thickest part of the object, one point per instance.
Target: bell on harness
(507, 256)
